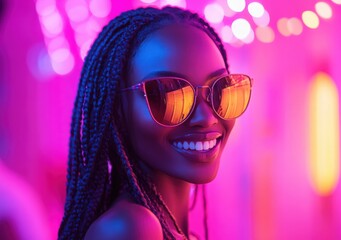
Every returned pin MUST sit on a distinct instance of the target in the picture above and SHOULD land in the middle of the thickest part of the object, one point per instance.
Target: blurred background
(279, 176)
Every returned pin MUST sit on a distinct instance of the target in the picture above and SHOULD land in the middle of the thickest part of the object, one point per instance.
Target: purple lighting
(266, 187)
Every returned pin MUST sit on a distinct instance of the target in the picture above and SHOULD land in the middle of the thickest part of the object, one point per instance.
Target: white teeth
(185, 145)
(206, 145)
(197, 146)
(213, 143)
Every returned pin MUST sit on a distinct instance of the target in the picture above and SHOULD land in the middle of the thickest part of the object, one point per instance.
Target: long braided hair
(100, 161)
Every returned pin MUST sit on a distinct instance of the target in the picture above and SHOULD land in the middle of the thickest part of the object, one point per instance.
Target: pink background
(264, 188)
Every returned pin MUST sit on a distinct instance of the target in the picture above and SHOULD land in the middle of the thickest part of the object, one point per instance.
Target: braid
(97, 138)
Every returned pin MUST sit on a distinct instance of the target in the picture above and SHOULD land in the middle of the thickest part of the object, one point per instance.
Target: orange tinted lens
(170, 100)
(231, 95)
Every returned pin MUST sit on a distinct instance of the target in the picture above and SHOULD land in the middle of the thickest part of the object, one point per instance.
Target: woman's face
(178, 50)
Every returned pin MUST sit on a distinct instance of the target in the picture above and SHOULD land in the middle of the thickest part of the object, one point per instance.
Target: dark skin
(178, 50)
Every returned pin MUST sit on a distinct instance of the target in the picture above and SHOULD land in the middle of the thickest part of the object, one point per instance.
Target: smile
(197, 142)
(196, 145)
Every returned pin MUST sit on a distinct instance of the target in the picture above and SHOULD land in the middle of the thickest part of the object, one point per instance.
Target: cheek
(148, 138)
(228, 126)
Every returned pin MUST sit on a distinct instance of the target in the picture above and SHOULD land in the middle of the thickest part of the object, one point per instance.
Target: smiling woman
(155, 107)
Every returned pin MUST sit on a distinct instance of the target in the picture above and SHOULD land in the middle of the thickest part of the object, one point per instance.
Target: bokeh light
(263, 20)
(62, 61)
(236, 5)
(214, 13)
(282, 26)
(45, 7)
(226, 34)
(265, 34)
(85, 47)
(241, 28)
(324, 134)
(52, 23)
(323, 10)
(310, 19)
(176, 3)
(256, 9)
(100, 8)
(295, 26)
(57, 43)
(336, 1)
(77, 10)
(38, 62)
(148, 1)
(249, 38)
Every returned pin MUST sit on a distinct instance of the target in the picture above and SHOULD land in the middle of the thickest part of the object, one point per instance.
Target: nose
(203, 114)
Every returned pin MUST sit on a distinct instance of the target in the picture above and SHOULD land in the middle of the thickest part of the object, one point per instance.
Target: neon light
(324, 134)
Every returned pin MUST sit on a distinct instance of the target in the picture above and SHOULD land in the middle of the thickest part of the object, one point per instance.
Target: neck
(175, 193)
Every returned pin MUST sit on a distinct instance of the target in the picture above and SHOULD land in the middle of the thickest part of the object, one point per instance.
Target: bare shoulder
(125, 221)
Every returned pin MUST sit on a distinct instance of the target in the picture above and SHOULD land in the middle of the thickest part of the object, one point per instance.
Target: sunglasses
(171, 100)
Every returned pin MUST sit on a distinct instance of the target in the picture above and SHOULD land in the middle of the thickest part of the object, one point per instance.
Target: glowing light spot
(237, 42)
(77, 10)
(62, 61)
(295, 26)
(249, 38)
(236, 5)
(177, 3)
(45, 7)
(226, 34)
(310, 19)
(53, 23)
(214, 13)
(336, 1)
(148, 1)
(323, 10)
(265, 34)
(57, 43)
(228, 12)
(241, 28)
(38, 62)
(262, 21)
(324, 134)
(256, 9)
(282, 26)
(100, 8)
(84, 49)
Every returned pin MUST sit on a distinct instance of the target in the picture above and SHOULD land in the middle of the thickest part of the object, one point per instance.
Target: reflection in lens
(170, 100)
(231, 95)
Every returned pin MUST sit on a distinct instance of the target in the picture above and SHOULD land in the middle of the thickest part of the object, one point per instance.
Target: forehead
(181, 49)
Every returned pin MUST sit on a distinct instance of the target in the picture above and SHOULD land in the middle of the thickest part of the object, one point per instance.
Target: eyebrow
(211, 76)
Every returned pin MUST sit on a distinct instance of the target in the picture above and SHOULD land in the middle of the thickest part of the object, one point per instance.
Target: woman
(154, 110)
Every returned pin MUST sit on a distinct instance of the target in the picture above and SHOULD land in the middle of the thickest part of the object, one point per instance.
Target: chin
(203, 179)
(205, 173)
